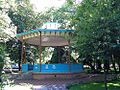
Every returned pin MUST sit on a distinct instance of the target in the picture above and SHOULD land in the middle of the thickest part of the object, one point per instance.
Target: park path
(46, 84)
(49, 84)
(58, 84)
(50, 87)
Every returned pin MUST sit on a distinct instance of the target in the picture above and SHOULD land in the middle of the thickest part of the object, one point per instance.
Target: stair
(22, 75)
(29, 75)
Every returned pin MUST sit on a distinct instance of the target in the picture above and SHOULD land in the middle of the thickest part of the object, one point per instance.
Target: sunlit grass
(97, 86)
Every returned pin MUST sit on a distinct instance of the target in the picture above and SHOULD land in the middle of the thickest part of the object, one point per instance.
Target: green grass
(97, 86)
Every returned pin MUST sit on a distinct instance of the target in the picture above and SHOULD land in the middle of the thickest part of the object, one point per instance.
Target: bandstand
(49, 38)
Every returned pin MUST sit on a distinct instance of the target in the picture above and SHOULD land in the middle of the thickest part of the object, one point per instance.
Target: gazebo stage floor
(56, 75)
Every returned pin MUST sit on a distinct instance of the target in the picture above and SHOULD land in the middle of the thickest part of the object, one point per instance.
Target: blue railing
(52, 67)
(26, 67)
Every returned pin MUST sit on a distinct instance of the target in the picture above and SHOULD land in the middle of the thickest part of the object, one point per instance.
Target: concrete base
(54, 75)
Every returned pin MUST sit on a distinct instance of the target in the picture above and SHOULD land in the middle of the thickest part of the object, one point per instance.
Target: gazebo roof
(50, 37)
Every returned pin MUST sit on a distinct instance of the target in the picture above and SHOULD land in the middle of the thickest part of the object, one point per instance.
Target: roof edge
(49, 30)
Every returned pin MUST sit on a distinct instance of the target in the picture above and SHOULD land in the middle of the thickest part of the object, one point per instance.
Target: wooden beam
(25, 53)
(40, 49)
(22, 54)
(55, 33)
(69, 53)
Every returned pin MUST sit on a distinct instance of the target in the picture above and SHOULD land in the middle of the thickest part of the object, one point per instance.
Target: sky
(40, 5)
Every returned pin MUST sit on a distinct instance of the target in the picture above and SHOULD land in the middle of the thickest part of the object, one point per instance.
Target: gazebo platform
(53, 70)
(48, 75)
(54, 75)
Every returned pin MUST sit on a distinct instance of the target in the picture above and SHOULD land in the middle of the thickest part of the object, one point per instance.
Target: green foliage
(97, 29)
(2, 57)
(61, 15)
(70, 2)
(54, 58)
(2, 63)
(24, 17)
(4, 36)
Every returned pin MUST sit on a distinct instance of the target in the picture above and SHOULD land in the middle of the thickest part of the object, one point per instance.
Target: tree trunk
(119, 66)
(105, 77)
(99, 65)
(113, 62)
(19, 56)
(1, 68)
(19, 65)
(114, 67)
(106, 65)
(118, 62)
(92, 67)
(89, 63)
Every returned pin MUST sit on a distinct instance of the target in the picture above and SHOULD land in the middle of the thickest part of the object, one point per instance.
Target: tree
(25, 19)
(96, 28)
(97, 31)
(7, 31)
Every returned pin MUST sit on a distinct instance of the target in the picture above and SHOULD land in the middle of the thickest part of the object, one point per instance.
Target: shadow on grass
(97, 86)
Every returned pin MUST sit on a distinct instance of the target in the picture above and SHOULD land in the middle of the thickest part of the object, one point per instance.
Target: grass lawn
(97, 86)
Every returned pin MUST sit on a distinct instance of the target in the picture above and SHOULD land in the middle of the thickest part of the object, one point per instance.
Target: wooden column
(22, 54)
(58, 54)
(25, 53)
(69, 54)
(40, 49)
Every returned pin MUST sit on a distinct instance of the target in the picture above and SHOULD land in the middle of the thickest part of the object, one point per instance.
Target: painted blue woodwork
(50, 30)
(52, 67)
(30, 67)
(24, 67)
(58, 67)
(36, 68)
(76, 67)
